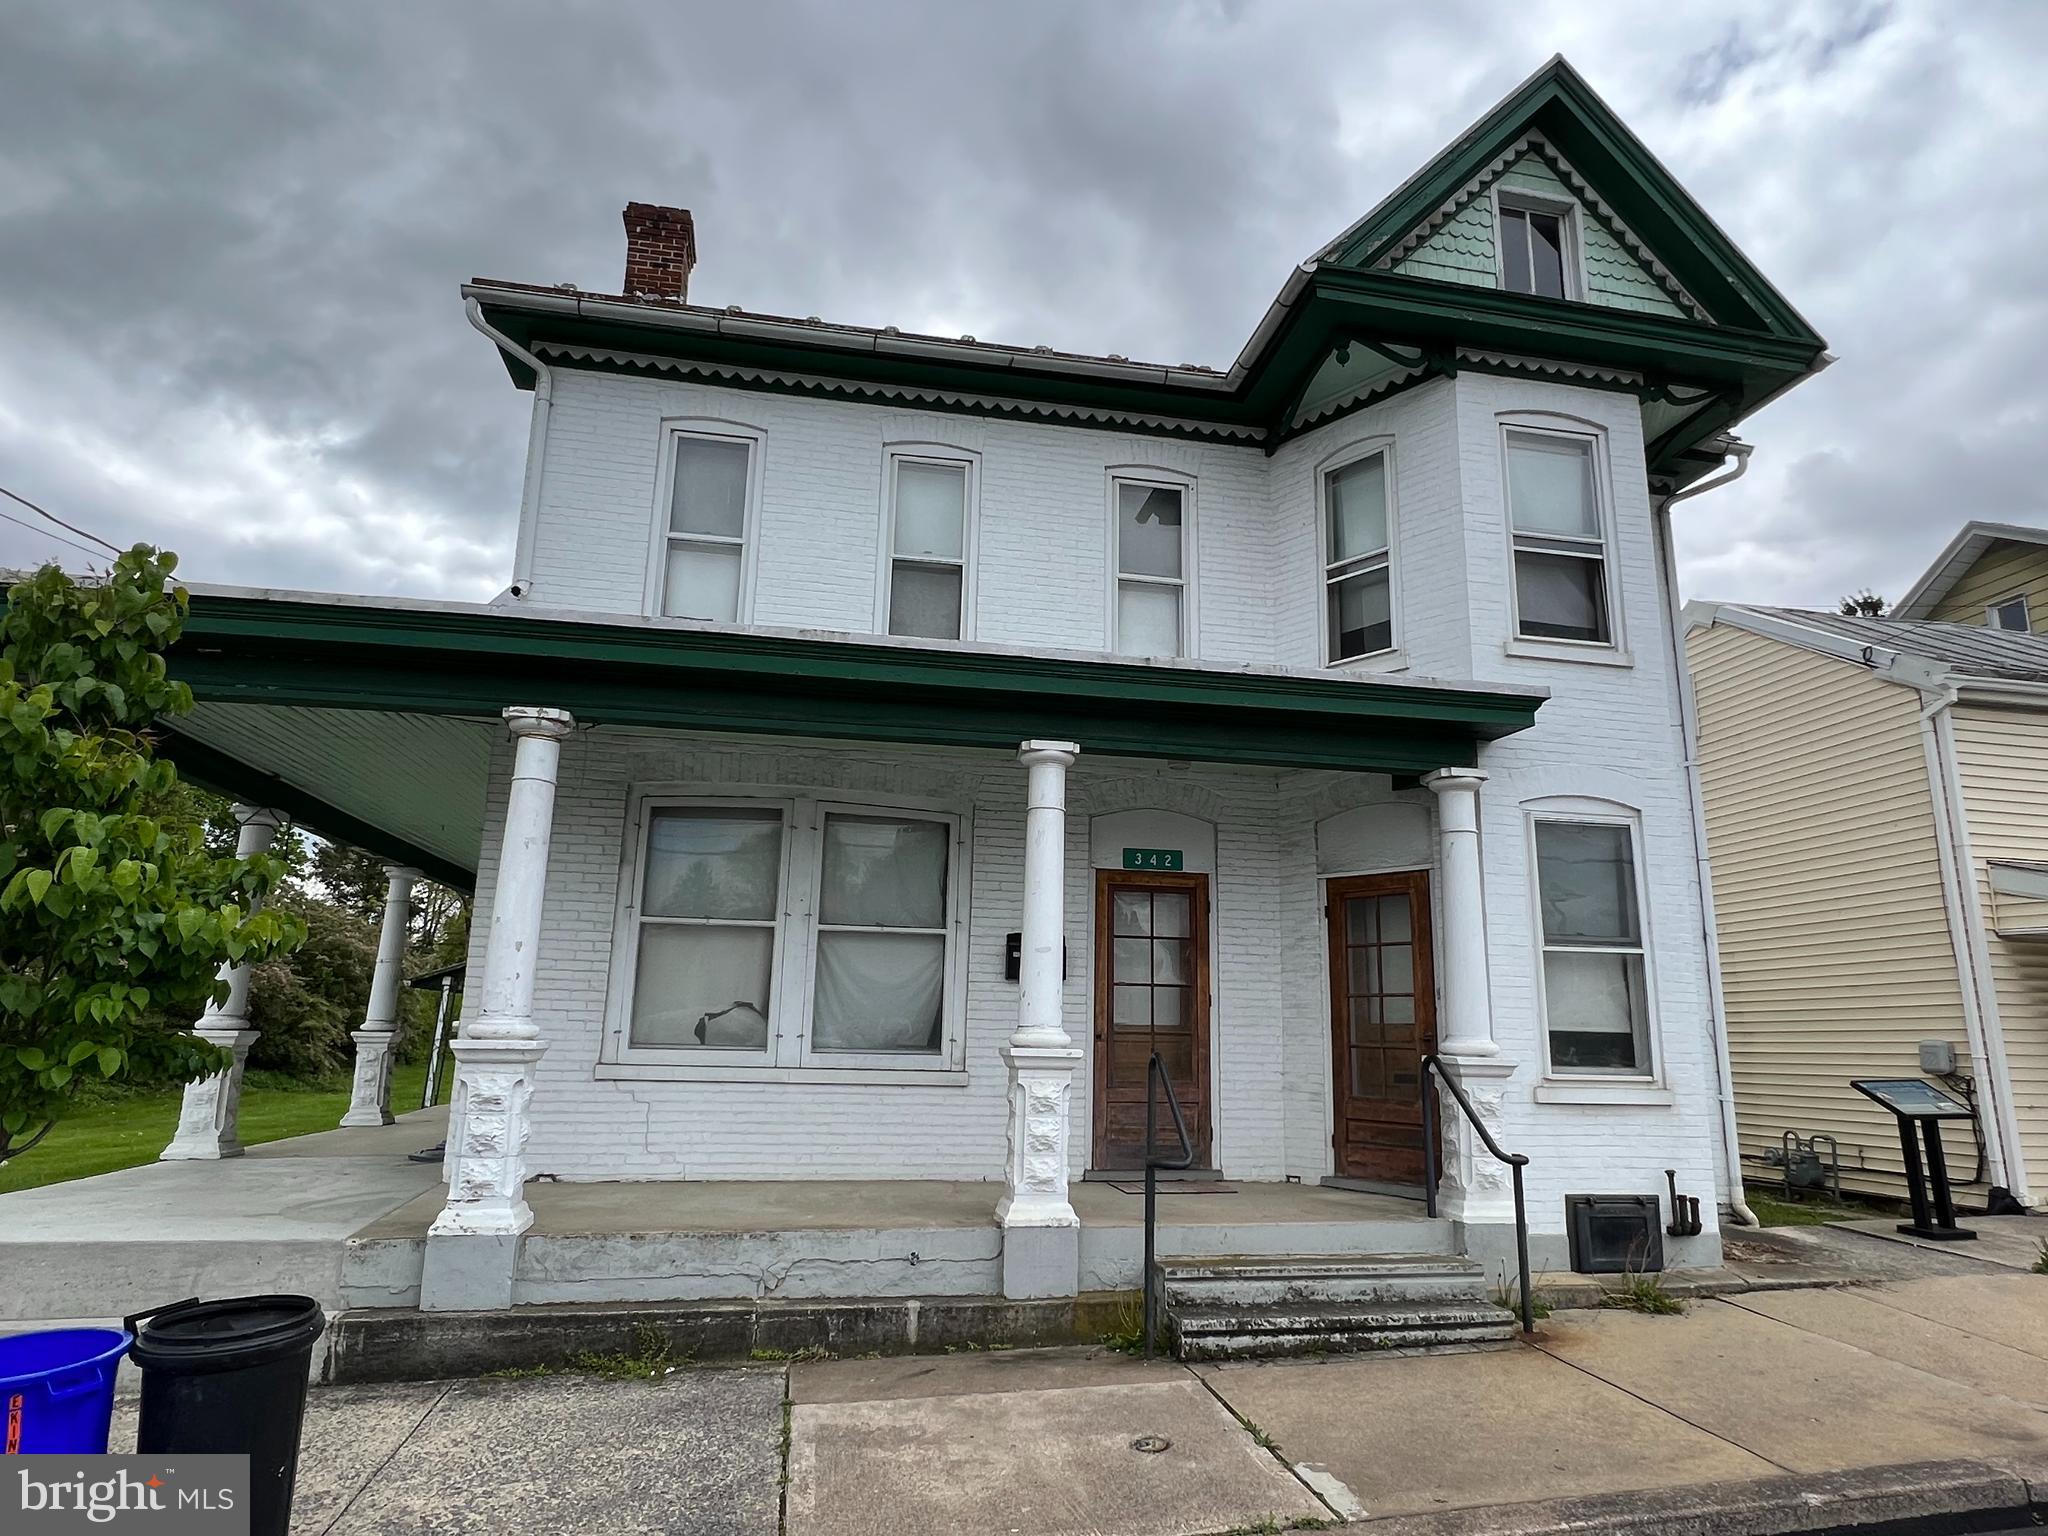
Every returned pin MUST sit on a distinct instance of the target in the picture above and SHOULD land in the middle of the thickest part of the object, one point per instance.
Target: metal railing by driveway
(1432, 1147)
(1156, 1078)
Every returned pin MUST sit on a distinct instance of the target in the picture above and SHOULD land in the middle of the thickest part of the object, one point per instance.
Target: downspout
(1688, 726)
(1966, 931)
(536, 448)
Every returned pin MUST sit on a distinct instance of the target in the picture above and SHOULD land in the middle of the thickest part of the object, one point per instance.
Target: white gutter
(1688, 727)
(2003, 1150)
(536, 448)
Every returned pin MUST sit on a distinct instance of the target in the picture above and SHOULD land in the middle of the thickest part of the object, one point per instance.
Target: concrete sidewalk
(1775, 1411)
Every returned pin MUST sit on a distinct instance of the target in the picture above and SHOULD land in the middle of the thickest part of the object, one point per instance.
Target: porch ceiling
(408, 787)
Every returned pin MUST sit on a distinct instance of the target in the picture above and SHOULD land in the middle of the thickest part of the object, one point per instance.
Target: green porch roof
(298, 695)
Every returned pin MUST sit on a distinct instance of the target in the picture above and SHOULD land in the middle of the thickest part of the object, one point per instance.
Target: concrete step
(1207, 1333)
(1287, 1280)
(1252, 1305)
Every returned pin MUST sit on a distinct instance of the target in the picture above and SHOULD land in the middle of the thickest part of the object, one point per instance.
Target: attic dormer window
(1533, 242)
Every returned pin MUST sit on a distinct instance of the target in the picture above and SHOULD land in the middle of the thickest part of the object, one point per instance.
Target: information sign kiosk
(1916, 1102)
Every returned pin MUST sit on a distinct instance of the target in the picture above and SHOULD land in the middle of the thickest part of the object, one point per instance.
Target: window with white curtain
(790, 933)
(1560, 541)
(1151, 569)
(1595, 991)
(703, 557)
(1358, 592)
(929, 538)
(882, 931)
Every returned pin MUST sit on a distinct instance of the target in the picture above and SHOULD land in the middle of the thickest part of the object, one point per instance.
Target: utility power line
(32, 528)
(83, 533)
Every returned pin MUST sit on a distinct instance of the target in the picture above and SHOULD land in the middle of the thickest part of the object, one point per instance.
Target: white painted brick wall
(1608, 732)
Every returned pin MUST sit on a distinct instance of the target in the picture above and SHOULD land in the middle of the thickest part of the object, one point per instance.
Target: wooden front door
(1151, 994)
(1382, 1022)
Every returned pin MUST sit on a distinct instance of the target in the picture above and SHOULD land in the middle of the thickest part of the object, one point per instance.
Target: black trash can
(230, 1377)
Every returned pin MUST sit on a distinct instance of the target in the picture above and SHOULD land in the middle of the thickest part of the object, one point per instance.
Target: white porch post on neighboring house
(473, 1244)
(1041, 1233)
(208, 1121)
(1475, 1189)
(369, 1100)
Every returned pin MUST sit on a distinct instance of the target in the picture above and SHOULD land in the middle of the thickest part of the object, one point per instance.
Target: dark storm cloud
(230, 235)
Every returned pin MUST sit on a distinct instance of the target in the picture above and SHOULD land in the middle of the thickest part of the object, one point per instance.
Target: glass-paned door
(1382, 1022)
(1151, 994)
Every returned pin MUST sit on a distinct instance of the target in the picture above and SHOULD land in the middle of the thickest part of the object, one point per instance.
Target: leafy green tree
(113, 920)
(305, 1003)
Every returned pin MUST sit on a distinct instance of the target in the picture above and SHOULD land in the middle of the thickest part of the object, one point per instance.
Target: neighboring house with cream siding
(1878, 836)
(889, 745)
(1991, 573)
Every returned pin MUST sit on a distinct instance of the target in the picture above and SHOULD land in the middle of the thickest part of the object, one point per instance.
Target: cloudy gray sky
(231, 234)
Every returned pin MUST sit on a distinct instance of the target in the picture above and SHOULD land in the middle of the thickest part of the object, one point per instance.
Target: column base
(1476, 1190)
(1041, 1261)
(369, 1100)
(488, 1124)
(209, 1119)
(468, 1272)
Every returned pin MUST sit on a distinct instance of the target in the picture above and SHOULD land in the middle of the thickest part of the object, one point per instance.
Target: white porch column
(370, 1095)
(1475, 1190)
(474, 1242)
(1467, 1025)
(208, 1119)
(1041, 1233)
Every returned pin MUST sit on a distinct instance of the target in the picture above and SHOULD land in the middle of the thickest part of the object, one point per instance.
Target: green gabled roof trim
(222, 773)
(1557, 104)
(474, 662)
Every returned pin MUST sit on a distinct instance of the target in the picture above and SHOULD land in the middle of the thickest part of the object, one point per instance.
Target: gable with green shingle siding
(1613, 277)
(1460, 252)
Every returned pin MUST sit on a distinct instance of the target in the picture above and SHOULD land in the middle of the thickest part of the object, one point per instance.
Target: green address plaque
(1152, 858)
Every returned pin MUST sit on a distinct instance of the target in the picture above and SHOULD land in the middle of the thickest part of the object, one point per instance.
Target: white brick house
(910, 737)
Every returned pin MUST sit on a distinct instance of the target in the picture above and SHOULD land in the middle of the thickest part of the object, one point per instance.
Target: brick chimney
(661, 248)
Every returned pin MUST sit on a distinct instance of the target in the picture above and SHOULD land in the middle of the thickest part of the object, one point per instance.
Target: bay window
(1595, 991)
(701, 565)
(1152, 595)
(1560, 542)
(1358, 594)
(788, 933)
(927, 589)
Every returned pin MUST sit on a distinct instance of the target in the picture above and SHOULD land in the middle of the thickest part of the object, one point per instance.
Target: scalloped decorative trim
(1497, 167)
(846, 389)
(1547, 365)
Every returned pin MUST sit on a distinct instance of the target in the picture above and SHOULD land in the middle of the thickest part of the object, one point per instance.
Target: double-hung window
(929, 536)
(1560, 542)
(1358, 594)
(702, 559)
(1151, 569)
(1595, 993)
(790, 933)
(1534, 246)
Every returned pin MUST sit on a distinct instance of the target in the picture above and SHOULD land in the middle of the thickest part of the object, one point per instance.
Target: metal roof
(1968, 650)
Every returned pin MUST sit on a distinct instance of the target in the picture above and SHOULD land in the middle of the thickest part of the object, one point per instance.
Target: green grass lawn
(122, 1130)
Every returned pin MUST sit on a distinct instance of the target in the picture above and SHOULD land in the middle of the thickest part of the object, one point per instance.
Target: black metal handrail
(1155, 1072)
(1516, 1163)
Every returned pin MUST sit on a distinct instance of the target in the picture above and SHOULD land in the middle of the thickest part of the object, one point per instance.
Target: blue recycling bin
(57, 1390)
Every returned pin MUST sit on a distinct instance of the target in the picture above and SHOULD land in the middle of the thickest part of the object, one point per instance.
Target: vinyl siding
(2002, 571)
(2000, 755)
(1836, 955)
